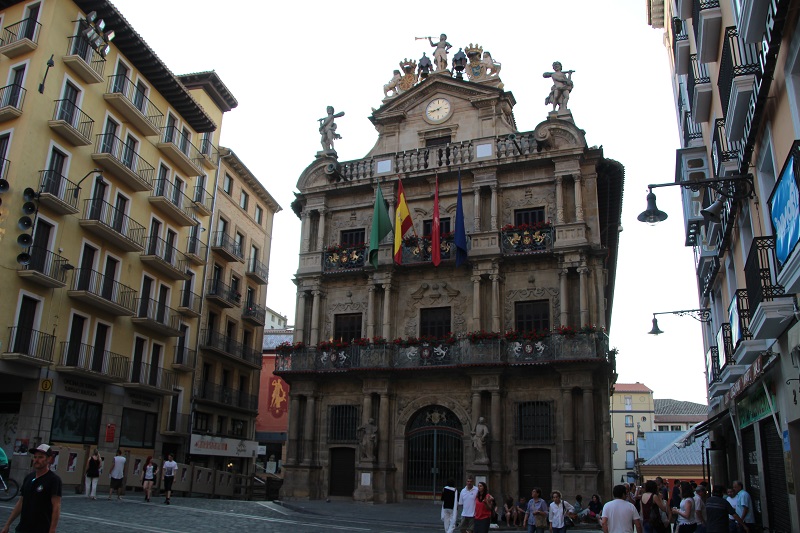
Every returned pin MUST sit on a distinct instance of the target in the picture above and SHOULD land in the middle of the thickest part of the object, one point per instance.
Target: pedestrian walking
(467, 502)
(168, 477)
(744, 506)
(117, 474)
(484, 506)
(536, 513)
(558, 513)
(92, 475)
(619, 515)
(718, 511)
(687, 519)
(39, 504)
(149, 472)
(449, 505)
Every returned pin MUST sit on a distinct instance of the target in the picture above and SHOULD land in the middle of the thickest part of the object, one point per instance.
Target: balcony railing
(126, 156)
(48, 264)
(553, 348)
(159, 313)
(226, 396)
(33, 343)
(167, 189)
(725, 346)
(5, 164)
(698, 75)
(738, 59)
(258, 270)
(226, 243)
(184, 356)
(254, 312)
(70, 113)
(114, 219)
(222, 343)
(760, 272)
(190, 303)
(219, 289)
(712, 365)
(697, 7)
(342, 259)
(95, 283)
(740, 331)
(62, 189)
(174, 136)
(152, 376)
(79, 46)
(196, 248)
(121, 84)
(523, 240)
(723, 151)
(24, 29)
(203, 201)
(12, 96)
(94, 359)
(166, 253)
(417, 250)
(691, 130)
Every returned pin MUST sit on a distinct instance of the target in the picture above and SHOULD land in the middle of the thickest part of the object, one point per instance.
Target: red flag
(436, 250)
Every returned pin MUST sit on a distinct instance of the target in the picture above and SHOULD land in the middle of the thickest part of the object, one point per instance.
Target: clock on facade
(438, 110)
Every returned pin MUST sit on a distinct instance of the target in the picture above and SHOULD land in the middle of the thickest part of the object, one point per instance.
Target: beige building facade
(632, 414)
(110, 166)
(406, 374)
(734, 66)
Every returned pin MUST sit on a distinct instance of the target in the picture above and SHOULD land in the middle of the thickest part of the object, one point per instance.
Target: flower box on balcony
(419, 249)
(340, 258)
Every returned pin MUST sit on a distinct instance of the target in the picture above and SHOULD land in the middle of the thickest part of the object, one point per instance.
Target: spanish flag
(402, 223)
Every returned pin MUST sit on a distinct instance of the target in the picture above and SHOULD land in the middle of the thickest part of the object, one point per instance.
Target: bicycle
(9, 488)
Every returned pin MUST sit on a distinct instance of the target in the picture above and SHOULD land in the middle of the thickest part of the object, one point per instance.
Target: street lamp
(460, 63)
(701, 315)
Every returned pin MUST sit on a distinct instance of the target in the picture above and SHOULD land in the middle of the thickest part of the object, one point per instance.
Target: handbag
(568, 522)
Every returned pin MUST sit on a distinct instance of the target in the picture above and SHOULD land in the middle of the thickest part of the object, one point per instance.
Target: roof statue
(562, 86)
(327, 131)
(393, 85)
(481, 66)
(440, 54)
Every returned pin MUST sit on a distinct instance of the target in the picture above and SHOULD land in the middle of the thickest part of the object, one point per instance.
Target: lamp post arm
(717, 184)
(701, 315)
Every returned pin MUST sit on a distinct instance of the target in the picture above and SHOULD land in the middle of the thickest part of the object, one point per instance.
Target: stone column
(304, 223)
(476, 407)
(559, 200)
(387, 306)
(578, 198)
(495, 302)
(294, 425)
(567, 420)
(367, 408)
(321, 229)
(589, 461)
(496, 428)
(383, 430)
(598, 278)
(494, 208)
(476, 202)
(584, 293)
(315, 318)
(476, 302)
(370, 309)
(299, 316)
(308, 430)
(562, 278)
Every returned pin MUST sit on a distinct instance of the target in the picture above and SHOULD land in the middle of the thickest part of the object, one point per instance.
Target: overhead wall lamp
(736, 187)
(99, 179)
(50, 64)
(701, 315)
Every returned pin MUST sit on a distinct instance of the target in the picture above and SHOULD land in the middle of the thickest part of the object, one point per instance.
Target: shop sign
(745, 380)
(209, 445)
(754, 407)
(111, 430)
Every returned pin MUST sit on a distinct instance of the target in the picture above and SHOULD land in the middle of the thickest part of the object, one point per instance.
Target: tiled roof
(676, 453)
(677, 407)
(685, 419)
(631, 387)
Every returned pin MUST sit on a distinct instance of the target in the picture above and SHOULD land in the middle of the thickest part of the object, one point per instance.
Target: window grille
(434, 322)
(342, 423)
(528, 216)
(534, 422)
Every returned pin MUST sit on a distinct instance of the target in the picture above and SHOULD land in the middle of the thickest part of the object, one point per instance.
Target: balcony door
(25, 322)
(74, 345)
(129, 153)
(98, 353)
(120, 208)
(29, 24)
(98, 200)
(85, 278)
(110, 137)
(109, 277)
(155, 231)
(163, 298)
(169, 250)
(41, 245)
(182, 357)
(68, 107)
(138, 359)
(121, 79)
(54, 175)
(155, 362)
(17, 78)
(147, 290)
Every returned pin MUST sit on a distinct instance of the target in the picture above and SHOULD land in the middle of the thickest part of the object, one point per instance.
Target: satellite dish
(29, 208)
(24, 259)
(29, 194)
(25, 240)
(3, 186)
(25, 223)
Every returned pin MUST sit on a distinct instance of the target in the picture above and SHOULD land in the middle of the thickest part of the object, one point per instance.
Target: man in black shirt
(39, 504)
(717, 511)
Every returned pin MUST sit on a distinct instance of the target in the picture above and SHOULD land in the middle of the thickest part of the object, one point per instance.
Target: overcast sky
(286, 61)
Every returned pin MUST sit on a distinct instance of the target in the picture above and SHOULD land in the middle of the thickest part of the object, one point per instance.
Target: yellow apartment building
(632, 413)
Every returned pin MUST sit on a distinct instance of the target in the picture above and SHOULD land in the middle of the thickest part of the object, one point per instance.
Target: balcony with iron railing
(190, 303)
(768, 302)
(419, 250)
(151, 379)
(177, 146)
(203, 201)
(92, 362)
(713, 373)
(729, 370)
(58, 193)
(692, 132)
(700, 92)
(126, 97)
(196, 250)
(45, 268)
(739, 73)
(113, 225)
(707, 281)
(162, 256)
(724, 152)
(226, 246)
(84, 60)
(157, 317)
(20, 38)
(177, 424)
(121, 160)
(746, 348)
(218, 343)
(526, 240)
(170, 199)
(222, 294)
(184, 359)
(680, 46)
(340, 259)
(72, 123)
(207, 391)
(209, 154)
(29, 346)
(12, 97)
(555, 348)
(707, 25)
(103, 292)
(257, 271)
(254, 313)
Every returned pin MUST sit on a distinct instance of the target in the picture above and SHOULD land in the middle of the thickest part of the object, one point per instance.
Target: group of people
(651, 508)
(39, 504)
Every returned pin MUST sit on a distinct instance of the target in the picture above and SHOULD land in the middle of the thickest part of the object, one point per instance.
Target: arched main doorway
(434, 451)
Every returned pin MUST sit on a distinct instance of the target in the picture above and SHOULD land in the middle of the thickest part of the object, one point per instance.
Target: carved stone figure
(367, 440)
(440, 54)
(492, 66)
(479, 438)
(327, 130)
(393, 85)
(562, 86)
(409, 67)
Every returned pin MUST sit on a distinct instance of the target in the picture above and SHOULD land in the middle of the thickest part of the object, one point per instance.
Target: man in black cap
(39, 504)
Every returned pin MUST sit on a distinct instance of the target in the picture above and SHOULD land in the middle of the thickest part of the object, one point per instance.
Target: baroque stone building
(406, 374)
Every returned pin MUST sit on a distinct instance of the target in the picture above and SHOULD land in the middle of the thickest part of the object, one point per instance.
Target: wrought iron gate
(434, 451)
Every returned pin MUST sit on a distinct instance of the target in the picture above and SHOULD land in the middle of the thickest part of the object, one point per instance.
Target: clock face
(438, 110)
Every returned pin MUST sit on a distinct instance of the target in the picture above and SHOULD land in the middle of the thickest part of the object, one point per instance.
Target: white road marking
(272, 507)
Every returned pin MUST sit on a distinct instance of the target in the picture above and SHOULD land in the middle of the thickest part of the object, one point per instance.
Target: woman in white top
(687, 522)
(558, 508)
